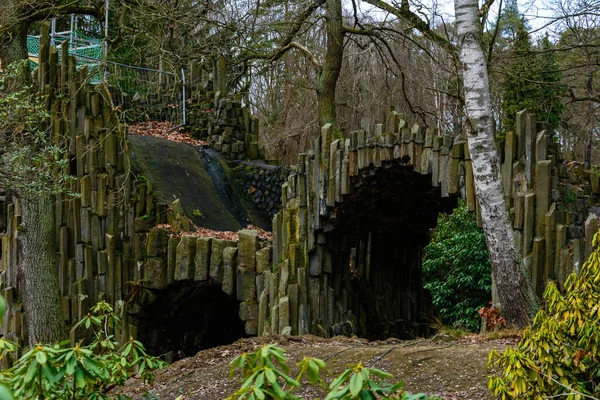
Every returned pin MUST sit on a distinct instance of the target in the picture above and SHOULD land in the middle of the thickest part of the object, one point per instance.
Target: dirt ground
(450, 368)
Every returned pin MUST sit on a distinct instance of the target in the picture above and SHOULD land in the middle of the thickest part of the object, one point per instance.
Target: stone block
(248, 310)
(246, 284)
(247, 245)
(284, 276)
(591, 228)
(184, 258)
(251, 327)
(550, 236)
(171, 258)
(275, 319)
(216, 260)
(202, 259)
(229, 269)
(539, 275)
(177, 219)
(528, 223)
(293, 291)
(286, 330)
(260, 283)
(263, 307)
(560, 244)
(157, 242)
(542, 194)
(155, 273)
(284, 313)
(263, 259)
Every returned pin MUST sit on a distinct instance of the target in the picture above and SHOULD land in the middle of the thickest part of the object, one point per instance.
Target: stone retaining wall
(262, 184)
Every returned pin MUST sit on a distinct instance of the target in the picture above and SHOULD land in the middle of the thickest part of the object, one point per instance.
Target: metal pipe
(53, 32)
(106, 6)
(71, 41)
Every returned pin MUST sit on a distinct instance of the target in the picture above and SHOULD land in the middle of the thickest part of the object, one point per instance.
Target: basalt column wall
(337, 272)
(96, 231)
(348, 240)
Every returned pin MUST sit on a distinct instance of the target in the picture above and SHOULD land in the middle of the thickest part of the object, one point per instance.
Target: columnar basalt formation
(95, 232)
(218, 116)
(345, 257)
(347, 242)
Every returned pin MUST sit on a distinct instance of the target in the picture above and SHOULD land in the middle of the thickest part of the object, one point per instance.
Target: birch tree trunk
(517, 298)
(43, 311)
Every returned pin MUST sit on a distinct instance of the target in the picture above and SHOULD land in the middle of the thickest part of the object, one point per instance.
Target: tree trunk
(43, 311)
(517, 298)
(327, 78)
(589, 113)
(13, 45)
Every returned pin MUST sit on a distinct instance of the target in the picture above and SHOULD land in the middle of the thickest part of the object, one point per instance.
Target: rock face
(202, 183)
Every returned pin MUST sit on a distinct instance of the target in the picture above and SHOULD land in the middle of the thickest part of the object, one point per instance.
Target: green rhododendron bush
(558, 356)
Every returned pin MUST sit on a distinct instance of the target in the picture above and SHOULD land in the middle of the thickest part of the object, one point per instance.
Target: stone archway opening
(374, 241)
(188, 317)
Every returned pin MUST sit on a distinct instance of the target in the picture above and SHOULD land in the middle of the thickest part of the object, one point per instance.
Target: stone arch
(373, 244)
(354, 220)
(199, 291)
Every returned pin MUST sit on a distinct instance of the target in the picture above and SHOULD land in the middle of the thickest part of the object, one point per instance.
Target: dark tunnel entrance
(188, 317)
(375, 239)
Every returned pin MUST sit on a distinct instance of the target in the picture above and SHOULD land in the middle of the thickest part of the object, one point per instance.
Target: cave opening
(373, 245)
(188, 317)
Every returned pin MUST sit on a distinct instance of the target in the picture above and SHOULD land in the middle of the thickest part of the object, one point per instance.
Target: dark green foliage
(551, 90)
(520, 87)
(456, 269)
(32, 161)
(80, 372)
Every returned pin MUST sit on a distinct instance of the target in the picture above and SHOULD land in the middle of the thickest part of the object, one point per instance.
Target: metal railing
(141, 94)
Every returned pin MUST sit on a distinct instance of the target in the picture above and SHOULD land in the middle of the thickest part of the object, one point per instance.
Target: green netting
(81, 46)
(33, 45)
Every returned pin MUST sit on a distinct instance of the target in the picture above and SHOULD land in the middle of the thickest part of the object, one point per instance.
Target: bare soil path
(442, 366)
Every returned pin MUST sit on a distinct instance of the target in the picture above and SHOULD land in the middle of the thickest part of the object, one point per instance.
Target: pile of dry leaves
(165, 130)
(223, 235)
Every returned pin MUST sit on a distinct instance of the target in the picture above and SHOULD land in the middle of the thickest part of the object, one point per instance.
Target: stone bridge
(345, 257)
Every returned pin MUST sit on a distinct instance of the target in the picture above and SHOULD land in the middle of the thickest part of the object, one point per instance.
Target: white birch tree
(517, 298)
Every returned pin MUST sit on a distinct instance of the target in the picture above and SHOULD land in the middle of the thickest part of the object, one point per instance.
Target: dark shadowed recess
(188, 317)
(376, 237)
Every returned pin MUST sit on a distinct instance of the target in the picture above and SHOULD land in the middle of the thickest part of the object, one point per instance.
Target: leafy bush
(265, 375)
(456, 269)
(559, 355)
(80, 372)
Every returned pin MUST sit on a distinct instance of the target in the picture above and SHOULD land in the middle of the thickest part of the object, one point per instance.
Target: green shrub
(81, 372)
(456, 269)
(265, 376)
(559, 355)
